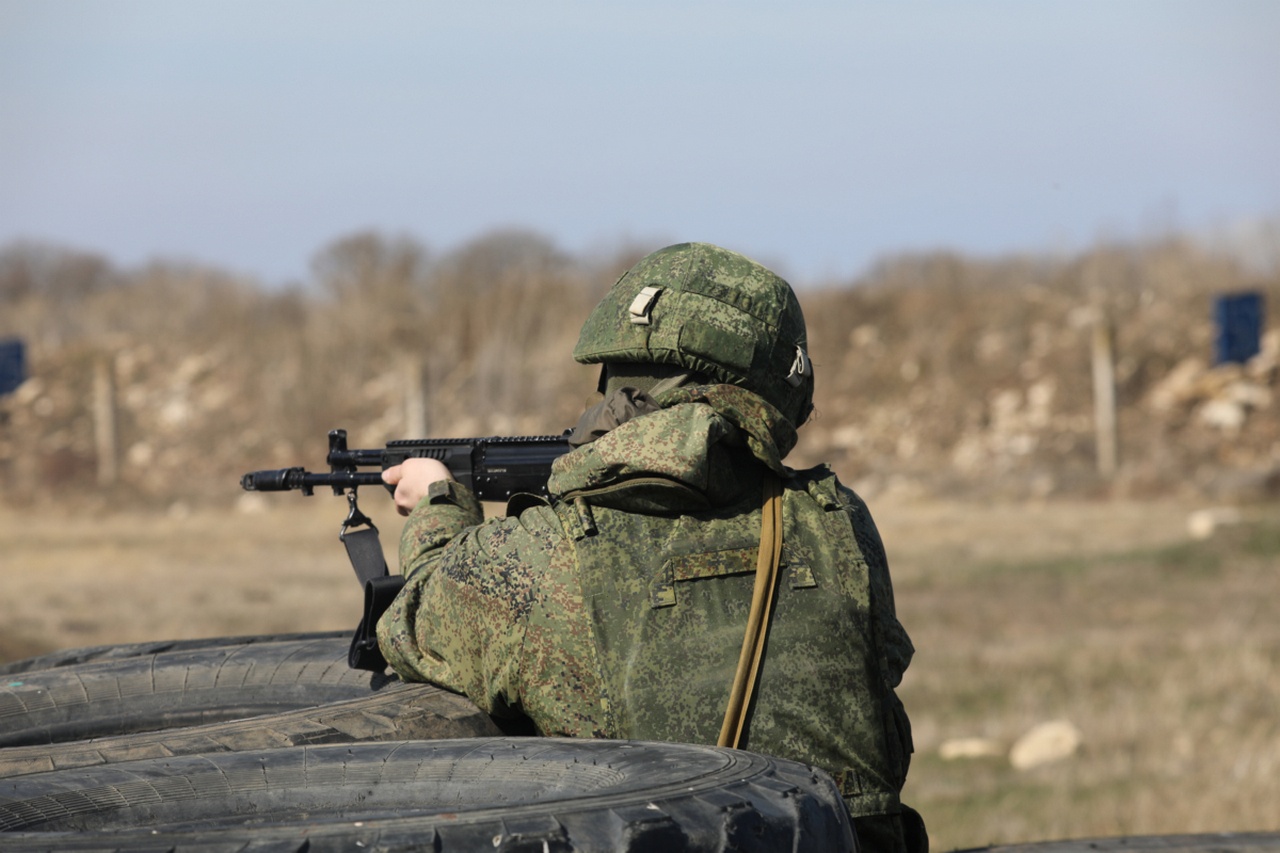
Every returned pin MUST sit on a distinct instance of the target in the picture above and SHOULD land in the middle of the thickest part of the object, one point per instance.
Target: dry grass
(1164, 652)
(75, 581)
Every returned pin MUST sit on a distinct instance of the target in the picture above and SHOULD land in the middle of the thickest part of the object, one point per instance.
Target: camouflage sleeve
(496, 613)
(896, 651)
(448, 509)
(895, 643)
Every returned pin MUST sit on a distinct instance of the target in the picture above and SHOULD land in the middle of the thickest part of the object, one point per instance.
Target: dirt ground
(277, 565)
(1161, 651)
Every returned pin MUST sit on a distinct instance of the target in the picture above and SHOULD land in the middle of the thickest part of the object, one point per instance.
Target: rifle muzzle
(277, 480)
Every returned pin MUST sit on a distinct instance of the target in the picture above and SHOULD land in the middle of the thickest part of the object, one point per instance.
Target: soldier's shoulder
(823, 485)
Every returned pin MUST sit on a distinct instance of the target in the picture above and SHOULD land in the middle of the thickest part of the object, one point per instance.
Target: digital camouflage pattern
(618, 608)
(712, 311)
(497, 614)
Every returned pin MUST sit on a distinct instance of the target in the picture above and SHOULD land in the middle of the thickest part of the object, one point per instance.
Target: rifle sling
(744, 679)
(364, 549)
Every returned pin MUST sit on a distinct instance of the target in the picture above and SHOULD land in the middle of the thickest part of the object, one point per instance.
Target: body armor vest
(667, 599)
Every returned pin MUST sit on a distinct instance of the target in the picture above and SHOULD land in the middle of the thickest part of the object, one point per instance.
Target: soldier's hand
(412, 478)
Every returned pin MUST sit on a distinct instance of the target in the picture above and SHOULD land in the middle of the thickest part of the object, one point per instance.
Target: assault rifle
(494, 468)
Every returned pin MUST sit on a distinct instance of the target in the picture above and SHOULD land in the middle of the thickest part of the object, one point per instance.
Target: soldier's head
(711, 311)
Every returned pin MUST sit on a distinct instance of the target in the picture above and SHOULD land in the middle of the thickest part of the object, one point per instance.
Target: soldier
(619, 607)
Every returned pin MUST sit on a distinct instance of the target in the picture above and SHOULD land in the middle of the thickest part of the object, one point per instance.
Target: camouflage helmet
(711, 310)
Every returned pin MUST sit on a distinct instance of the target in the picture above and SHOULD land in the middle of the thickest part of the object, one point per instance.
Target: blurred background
(1038, 247)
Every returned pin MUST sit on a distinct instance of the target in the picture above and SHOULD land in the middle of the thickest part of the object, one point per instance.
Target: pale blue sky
(815, 136)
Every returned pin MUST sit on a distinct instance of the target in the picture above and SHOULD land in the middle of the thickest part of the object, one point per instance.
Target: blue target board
(1239, 327)
(13, 365)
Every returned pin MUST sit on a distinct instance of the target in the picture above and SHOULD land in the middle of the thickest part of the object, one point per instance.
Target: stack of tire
(274, 744)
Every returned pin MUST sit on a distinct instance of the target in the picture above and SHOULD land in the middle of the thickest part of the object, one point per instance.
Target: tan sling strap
(744, 680)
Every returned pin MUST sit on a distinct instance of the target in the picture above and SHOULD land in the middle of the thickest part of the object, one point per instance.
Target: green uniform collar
(694, 452)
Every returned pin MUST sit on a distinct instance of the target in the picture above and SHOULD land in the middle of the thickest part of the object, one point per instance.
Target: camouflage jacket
(617, 609)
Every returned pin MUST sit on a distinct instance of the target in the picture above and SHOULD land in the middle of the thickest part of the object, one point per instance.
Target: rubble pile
(985, 385)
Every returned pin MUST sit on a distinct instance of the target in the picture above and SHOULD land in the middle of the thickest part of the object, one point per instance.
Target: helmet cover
(710, 310)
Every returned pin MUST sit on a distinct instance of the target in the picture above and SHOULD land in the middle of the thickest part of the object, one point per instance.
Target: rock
(1045, 744)
(1225, 415)
(1202, 523)
(1180, 386)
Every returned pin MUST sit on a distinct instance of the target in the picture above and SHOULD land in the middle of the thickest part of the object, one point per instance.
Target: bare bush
(936, 373)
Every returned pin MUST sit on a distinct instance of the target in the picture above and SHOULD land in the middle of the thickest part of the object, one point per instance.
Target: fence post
(104, 420)
(415, 403)
(1104, 395)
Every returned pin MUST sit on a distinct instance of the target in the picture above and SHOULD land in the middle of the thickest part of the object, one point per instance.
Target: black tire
(87, 654)
(505, 794)
(151, 692)
(1216, 842)
(399, 711)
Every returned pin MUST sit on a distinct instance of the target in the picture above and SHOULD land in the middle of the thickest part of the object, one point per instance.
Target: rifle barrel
(285, 479)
